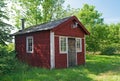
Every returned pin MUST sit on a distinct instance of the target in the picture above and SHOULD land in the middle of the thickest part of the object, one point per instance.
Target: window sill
(63, 52)
(79, 51)
(29, 52)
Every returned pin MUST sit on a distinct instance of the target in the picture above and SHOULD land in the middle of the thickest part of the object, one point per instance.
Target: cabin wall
(81, 55)
(66, 30)
(41, 54)
(60, 59)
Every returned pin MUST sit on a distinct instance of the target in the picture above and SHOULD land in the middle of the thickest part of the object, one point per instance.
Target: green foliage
(39, 11)
(109, 51)
(4, 27)
(7, 59)
(111, 44)
(92, 20)
(97, 68)
(101, 35)
(89, 16)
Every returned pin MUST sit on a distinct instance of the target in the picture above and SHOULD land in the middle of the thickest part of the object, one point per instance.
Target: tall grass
(97, 68)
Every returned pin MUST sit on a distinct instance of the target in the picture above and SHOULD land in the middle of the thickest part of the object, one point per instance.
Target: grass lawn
(97, 68)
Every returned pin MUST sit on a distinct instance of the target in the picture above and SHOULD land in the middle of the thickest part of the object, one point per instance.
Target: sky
(110, 9)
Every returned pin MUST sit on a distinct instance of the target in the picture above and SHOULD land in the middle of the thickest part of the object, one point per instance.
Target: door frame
(75, 52)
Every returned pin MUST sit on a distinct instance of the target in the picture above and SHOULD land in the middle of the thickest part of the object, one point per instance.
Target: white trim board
(52, 50)
(84, 49)
(68, 36)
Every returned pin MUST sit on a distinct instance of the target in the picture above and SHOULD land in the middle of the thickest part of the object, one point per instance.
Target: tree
(114, 36)
(38, 11)
(92, 20)
(4, 27)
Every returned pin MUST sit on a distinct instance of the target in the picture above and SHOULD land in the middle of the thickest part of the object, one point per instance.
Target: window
(74, 25)
(63, 45)
(29, 44)
(79, 45)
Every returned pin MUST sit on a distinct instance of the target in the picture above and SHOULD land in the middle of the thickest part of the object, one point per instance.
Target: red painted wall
(60, 59)
(66, 29)
(41, 55)
(81, 55)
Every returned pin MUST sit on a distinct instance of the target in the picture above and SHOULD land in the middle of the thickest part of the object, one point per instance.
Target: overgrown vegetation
(5, 28)
(97, 68)
(7, 59)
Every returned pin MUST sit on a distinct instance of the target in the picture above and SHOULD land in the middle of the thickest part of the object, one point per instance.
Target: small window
(29, 44)
(63, 45)
(75, 24)
(79, 45)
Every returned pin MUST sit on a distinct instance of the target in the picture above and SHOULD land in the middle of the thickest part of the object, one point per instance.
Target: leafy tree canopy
(93, 21)
(4, 27)
(38, 11)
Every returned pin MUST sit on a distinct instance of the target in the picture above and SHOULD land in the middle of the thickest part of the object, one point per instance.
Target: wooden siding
(65, 29)
(41, 54)
(60, 59)
(80, 55)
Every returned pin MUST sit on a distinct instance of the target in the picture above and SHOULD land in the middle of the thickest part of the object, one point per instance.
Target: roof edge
(83, 27)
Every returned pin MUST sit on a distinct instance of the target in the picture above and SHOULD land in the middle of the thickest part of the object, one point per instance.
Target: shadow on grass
(96, 64)
(69, 74)
(111, 55)
(37, 74)
(103, 63)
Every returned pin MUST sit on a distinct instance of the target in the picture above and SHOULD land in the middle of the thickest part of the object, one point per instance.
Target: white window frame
(60, 45)
(27, 38)
(80, 50)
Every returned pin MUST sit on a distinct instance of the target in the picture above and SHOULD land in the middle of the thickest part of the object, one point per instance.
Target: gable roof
(47, 26)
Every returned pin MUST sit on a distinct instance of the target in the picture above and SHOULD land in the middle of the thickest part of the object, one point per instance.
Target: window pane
(29, 44)
(63, 44)
(78, 45)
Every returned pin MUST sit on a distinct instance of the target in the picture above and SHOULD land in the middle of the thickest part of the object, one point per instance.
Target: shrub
(109, 50)
(7, 59)
(9, 62)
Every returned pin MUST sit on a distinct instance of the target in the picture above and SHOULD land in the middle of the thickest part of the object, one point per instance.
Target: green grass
(97, 68)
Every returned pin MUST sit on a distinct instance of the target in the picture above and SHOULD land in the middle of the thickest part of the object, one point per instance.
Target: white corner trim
(67, 51)
(52, 50)
(85, 49)
(80, 44)
(76, 51)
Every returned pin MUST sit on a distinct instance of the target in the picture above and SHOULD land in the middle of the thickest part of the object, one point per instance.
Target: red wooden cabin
(56, 44)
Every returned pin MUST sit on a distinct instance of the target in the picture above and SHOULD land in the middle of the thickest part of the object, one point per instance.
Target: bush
(7, 59)
(9, 62)
(109, 50)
